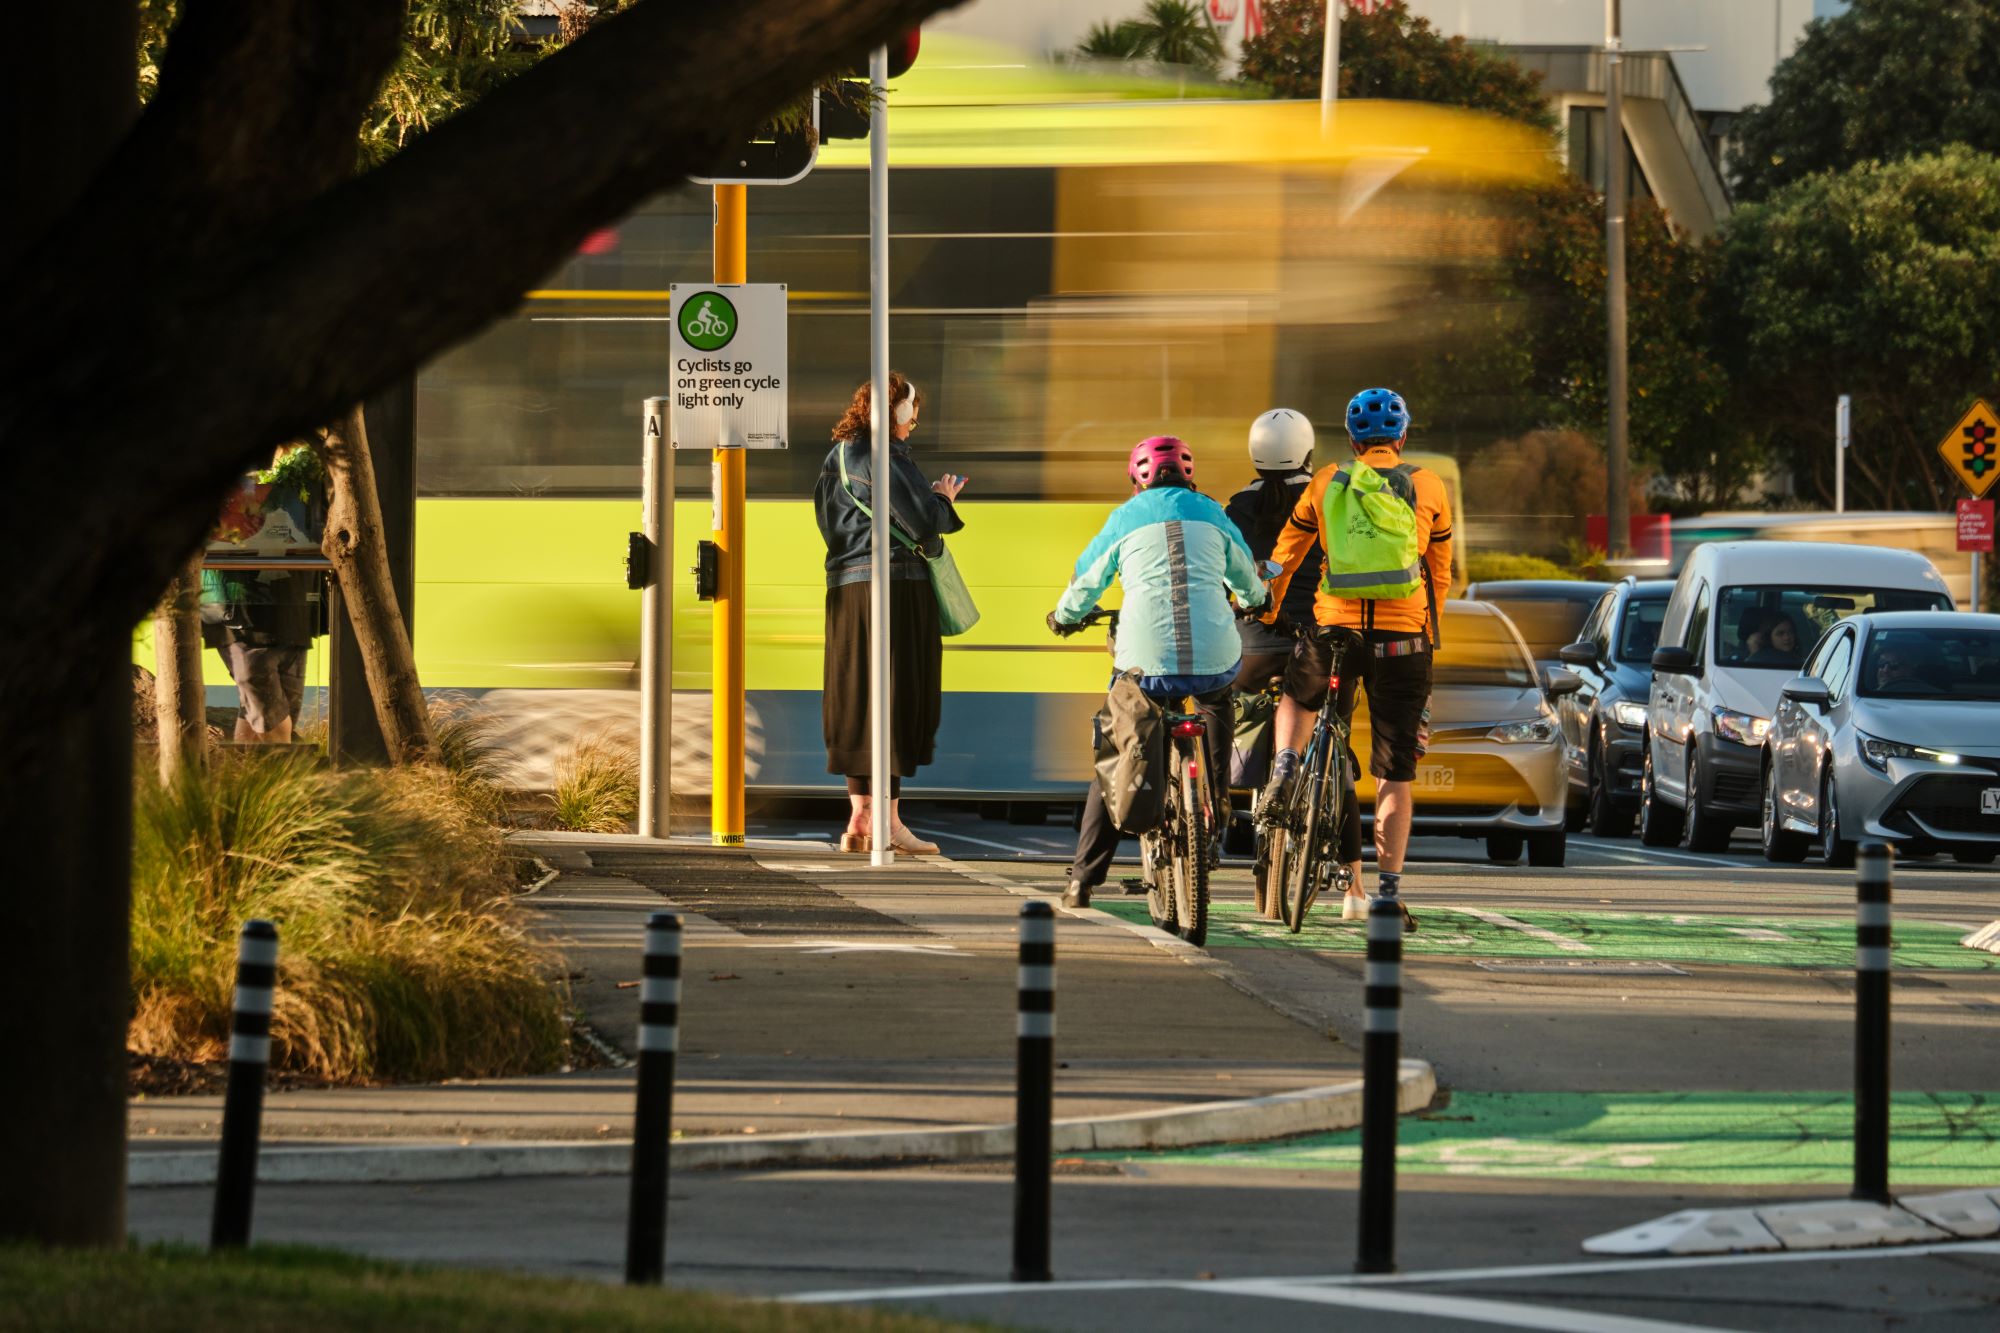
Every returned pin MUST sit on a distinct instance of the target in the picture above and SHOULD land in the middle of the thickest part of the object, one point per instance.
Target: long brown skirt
(916, 680)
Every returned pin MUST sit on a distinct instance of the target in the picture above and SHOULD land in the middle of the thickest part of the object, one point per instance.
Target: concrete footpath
(832, 1011)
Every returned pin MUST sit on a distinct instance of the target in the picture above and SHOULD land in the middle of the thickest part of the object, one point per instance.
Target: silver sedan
(1891, 733)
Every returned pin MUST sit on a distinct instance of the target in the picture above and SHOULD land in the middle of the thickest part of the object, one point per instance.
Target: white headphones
(906, 406)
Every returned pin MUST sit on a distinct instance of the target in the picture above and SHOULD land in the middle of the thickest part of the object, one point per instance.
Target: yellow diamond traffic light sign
(1972, 450)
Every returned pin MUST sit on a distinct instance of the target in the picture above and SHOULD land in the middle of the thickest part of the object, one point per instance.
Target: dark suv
(1604, 723)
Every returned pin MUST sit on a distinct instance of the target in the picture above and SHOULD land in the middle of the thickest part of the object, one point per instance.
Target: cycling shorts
(1399, 688)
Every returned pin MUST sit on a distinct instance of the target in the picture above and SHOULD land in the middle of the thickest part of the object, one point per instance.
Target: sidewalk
(823, 995)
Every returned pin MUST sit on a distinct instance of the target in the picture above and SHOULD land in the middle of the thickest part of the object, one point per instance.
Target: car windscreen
(1639, 630)
(1547, 623)
(1776, 625)
(1480, 650)
(1942, 663)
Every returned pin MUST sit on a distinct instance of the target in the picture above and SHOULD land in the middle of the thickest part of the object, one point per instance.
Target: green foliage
(1170, 32)
(297, 468)
(1885, 79)
(399, 957)
(1879, 281)
(597, 787)
(1390, 53)
(1495, 566)
(172, 1289)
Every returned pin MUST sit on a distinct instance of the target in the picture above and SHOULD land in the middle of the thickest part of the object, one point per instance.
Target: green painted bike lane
(1695, 1138)
(1460, 932)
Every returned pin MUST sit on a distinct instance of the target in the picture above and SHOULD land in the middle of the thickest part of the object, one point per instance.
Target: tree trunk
(354, 544)
(180, 702)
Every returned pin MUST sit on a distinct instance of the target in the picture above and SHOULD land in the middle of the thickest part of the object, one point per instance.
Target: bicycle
(1301, 837)
(1174, 856)
(708, 324)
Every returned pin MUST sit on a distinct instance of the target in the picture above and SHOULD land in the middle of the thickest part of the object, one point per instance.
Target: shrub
(1492, 566)
(400, 958)
(597, 786)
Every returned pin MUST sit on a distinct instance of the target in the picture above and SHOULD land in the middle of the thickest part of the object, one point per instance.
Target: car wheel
(1701, 831)
(1606, 819)
(1979, 857)
(1504, 848)
(1832, 849)
(1659, 823)
(1548, 849)
(1781, 845)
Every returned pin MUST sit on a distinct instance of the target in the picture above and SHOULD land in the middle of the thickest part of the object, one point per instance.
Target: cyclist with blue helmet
(1397, 637)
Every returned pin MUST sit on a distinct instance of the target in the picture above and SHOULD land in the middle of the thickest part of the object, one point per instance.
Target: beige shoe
(907, 842)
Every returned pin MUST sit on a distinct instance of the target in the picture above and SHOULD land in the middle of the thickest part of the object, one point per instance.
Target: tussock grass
(597, 786)
(167, 1289)
(400, 957)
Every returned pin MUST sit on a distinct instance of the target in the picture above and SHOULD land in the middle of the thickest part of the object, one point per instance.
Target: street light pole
(880, 685)
(1329, 67)
(1618, 519)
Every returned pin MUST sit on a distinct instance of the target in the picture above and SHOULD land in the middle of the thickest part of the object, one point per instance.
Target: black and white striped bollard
(1381, 1054)
(243, 1103)
(1034, 1093)
(653, 1124)
(1871, 1024)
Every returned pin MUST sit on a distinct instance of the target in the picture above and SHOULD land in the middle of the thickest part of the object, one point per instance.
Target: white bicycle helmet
(1281, 441)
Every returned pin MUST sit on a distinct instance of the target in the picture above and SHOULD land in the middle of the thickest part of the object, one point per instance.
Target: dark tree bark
(66, 816)
(180, 703)
(178, 302)
(355, 544)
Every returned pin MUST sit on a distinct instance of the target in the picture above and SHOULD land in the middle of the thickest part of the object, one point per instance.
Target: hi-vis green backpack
(1368, 520)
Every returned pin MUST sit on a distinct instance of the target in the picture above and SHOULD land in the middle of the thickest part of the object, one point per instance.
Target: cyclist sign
(728, 366)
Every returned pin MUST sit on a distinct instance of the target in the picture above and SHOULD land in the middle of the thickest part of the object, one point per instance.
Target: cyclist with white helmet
(1281, 449)
(1179, 558)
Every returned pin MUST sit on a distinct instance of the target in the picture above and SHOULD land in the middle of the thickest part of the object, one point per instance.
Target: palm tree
(1169, 32)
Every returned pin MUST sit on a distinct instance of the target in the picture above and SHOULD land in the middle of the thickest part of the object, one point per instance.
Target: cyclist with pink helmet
(1179, 558)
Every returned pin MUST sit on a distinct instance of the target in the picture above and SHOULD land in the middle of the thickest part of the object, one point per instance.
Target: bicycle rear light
(1190, 729)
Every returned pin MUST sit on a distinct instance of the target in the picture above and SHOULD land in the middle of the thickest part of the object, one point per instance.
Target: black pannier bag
(1130, 732)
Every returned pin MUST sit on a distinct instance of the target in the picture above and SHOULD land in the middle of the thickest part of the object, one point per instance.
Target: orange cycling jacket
(1415, 613)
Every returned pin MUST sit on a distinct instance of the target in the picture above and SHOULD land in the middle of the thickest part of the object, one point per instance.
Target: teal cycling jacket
(1178, 556)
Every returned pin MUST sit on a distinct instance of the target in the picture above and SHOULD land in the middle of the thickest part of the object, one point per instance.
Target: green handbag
(956, 611)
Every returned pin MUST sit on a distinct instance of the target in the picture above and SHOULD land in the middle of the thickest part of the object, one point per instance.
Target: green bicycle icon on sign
(708, 321)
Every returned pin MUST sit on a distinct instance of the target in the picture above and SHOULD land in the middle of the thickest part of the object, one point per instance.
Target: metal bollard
(1871, 1024)
(1381, 1054)
(1034, 1095)
(243, 1103)
(653, 1123)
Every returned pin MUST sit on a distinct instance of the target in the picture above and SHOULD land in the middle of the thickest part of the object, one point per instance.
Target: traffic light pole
(879, 682)
(725, 817)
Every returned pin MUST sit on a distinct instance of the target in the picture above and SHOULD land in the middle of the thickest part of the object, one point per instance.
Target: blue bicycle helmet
(1377, 414)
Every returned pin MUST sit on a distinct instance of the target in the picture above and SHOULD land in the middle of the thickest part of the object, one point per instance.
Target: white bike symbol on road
(707, 324)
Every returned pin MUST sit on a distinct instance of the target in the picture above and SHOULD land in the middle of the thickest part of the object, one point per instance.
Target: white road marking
(1542, 933)
(935, 834)
(860, 946)
(1507, 1314)
(1586, 1268)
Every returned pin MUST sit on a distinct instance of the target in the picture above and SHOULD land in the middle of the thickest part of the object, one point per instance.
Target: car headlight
(1876, 752)
(1630, 714)
(1534, 730)
(1743, 728)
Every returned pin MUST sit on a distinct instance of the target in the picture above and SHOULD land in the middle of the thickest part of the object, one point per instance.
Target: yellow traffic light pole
(725, 819)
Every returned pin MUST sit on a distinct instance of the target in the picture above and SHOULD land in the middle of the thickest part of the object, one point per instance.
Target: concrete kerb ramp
(1837, 1224)
(1308, 1111)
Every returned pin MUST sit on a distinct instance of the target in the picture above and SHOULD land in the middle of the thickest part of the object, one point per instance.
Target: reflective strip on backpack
(1388, 578)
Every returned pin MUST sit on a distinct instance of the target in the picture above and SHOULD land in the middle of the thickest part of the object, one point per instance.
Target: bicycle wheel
(1191, 860)
(1314, 863)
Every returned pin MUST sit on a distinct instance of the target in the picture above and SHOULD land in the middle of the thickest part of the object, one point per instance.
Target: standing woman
(921, 513)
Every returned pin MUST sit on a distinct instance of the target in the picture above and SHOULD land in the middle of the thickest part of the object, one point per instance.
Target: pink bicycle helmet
(1160, 454)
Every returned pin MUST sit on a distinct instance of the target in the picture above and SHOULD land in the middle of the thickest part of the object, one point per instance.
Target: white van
(1741, 620)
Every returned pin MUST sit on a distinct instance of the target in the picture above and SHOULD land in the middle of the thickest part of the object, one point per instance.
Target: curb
(1318, 1110)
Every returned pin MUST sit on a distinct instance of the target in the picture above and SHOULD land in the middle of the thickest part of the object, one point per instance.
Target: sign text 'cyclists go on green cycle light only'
(729, 370)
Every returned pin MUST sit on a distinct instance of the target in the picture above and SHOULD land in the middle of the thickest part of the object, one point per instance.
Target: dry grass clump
(400, 957)
(597, 786)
